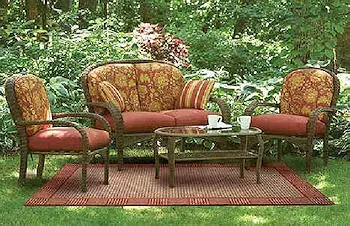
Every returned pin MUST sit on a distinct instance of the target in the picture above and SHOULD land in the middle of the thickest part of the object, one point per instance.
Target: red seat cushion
(66, 139)
(189, 117)
(141, 121)
(284, 124)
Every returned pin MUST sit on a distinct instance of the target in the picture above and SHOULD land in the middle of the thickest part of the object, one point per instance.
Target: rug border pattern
(312, 196)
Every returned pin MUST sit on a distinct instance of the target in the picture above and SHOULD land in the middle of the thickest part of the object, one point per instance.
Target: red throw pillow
(110, 94)
(195, 94)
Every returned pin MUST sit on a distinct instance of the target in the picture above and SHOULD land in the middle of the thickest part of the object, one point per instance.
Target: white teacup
(244, 121)
(214, 120)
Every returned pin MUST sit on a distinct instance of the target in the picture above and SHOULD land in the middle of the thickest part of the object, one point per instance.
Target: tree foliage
(248, 44)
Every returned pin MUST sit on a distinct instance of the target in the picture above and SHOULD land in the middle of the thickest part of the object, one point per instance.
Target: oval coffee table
(172, 134)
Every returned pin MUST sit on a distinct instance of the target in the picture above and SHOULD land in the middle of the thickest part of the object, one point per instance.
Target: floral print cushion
(122, 77)
(304, 90)
(159, 86)
(32, 101)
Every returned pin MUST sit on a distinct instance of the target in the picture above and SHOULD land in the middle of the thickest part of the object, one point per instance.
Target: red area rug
(196, 184)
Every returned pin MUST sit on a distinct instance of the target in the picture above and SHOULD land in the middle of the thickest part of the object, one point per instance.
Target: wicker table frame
(172, 157)
(120, 138)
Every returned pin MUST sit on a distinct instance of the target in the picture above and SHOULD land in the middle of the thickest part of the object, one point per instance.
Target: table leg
(171, 160)
(243, 161)
(156, 155)
(259, 160)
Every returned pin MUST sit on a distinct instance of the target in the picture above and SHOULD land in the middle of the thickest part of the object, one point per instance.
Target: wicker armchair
(308, 99)
(137, 76)
(42, 132)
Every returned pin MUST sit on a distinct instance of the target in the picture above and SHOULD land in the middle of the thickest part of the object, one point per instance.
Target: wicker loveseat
(150, 90)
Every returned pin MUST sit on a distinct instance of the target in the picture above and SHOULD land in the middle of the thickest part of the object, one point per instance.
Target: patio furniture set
(130, 101)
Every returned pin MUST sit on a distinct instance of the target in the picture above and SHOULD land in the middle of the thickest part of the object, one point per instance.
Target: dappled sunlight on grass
(253, 219)
(157, 212)
(14, 174)
(137, 208)
(323, 182)
(335, 199)
(75, 209)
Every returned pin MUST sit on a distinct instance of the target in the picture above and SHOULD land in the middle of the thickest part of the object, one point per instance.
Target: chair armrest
(92, 116)
(311, 123)
(224, 108)
(114, 112)
(250, 109)
(60, 123)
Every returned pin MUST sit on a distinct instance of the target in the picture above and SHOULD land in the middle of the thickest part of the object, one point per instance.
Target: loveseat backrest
(159, 86)
(145, 85)
(122, 77)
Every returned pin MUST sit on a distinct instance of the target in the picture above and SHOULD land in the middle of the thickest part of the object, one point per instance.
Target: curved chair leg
(325, 151)
(40, 169)
(309, 148)
(22, 167)
(106, 173)
(83, 173)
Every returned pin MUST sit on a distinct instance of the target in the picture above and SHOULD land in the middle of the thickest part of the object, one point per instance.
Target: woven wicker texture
(196, 184)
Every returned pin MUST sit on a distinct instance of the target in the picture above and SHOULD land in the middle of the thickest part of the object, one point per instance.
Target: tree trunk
(88, 4)
(104, 8)
(144, 9)
(32, 9)
(343, 49)
(4, 4)
(3, 11)
(242, 20)
(64, 5)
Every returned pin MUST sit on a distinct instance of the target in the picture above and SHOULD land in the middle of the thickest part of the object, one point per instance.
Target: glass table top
(204, 131)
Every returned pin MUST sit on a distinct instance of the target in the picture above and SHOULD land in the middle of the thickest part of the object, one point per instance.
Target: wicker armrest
(250, 109)
(224, 108)
(114, 112)
(311, 123)
(84, 115)
(60, 123)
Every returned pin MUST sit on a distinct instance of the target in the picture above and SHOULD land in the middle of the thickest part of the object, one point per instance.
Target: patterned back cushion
(122, 77)
(32, 101)
(159, 86)
(110, 94)
(304, 90)
(195, 94)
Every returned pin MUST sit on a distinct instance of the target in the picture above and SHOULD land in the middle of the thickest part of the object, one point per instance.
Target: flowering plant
(153, 40)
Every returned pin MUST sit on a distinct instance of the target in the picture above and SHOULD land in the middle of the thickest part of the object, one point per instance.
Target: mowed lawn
(333, 181)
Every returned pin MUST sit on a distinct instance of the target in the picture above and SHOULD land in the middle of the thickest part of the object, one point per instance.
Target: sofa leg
(41, 164)
(84, 173)
(106, 160)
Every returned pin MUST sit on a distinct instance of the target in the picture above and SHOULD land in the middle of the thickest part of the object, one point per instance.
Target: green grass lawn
(332, 181)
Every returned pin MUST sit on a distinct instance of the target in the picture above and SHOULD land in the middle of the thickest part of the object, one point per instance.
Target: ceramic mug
(214, 120)
(244, 122)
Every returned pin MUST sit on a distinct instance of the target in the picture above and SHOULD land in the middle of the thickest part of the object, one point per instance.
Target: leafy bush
(161, 46)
